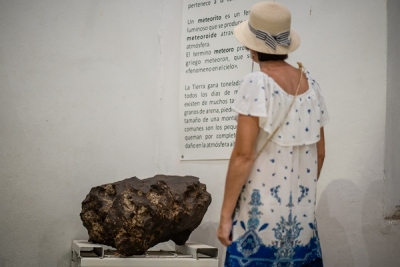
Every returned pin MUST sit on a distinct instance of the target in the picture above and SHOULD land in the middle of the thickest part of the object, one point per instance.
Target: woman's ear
(254, 55)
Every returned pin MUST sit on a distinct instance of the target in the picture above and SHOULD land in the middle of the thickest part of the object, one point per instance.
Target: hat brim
(248, 38)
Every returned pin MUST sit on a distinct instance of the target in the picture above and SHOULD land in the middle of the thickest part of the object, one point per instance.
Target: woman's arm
(321, 151)
(240, 165)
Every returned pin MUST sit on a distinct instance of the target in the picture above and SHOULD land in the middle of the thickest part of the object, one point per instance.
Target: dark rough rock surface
(133, 215)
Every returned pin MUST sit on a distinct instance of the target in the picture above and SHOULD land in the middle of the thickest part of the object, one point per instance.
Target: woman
(268, 211)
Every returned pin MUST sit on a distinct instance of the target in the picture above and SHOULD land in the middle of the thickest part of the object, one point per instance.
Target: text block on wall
(212, 65)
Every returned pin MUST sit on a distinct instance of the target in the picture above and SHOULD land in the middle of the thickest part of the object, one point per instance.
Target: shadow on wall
(55, 233)
(336, 250)
(206, 234)
(382, 238)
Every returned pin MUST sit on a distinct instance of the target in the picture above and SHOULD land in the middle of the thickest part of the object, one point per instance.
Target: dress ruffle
(259, 95)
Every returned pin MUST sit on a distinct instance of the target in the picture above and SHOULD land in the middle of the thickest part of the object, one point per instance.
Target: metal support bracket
(198, 251)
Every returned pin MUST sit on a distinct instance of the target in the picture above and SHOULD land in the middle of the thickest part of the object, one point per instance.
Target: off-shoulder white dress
(274, 223)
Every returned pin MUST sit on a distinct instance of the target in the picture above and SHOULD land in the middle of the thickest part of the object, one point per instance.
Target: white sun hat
(268, 30)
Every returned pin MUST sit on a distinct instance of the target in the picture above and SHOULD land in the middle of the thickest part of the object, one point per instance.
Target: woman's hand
(224, 232)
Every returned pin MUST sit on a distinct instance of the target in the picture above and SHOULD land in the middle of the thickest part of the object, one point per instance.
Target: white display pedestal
(87, 254)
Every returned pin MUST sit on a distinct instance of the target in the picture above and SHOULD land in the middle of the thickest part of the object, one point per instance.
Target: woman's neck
(272, 64)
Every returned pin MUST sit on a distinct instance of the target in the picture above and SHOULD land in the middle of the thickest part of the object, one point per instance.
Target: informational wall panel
(212, 65)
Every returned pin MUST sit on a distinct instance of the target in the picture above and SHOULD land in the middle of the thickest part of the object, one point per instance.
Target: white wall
(79, 107)
(89, 95)
(392, 155)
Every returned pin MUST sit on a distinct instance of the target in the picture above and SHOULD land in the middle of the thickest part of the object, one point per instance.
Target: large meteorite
(133, 215)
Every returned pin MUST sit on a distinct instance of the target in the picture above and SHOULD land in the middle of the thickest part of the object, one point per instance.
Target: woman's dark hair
(270, 57)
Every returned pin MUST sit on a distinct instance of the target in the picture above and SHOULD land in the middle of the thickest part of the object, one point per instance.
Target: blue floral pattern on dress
(249, 249)
(274, 193)
(286, 232)
(304, 193)
(255, 198)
